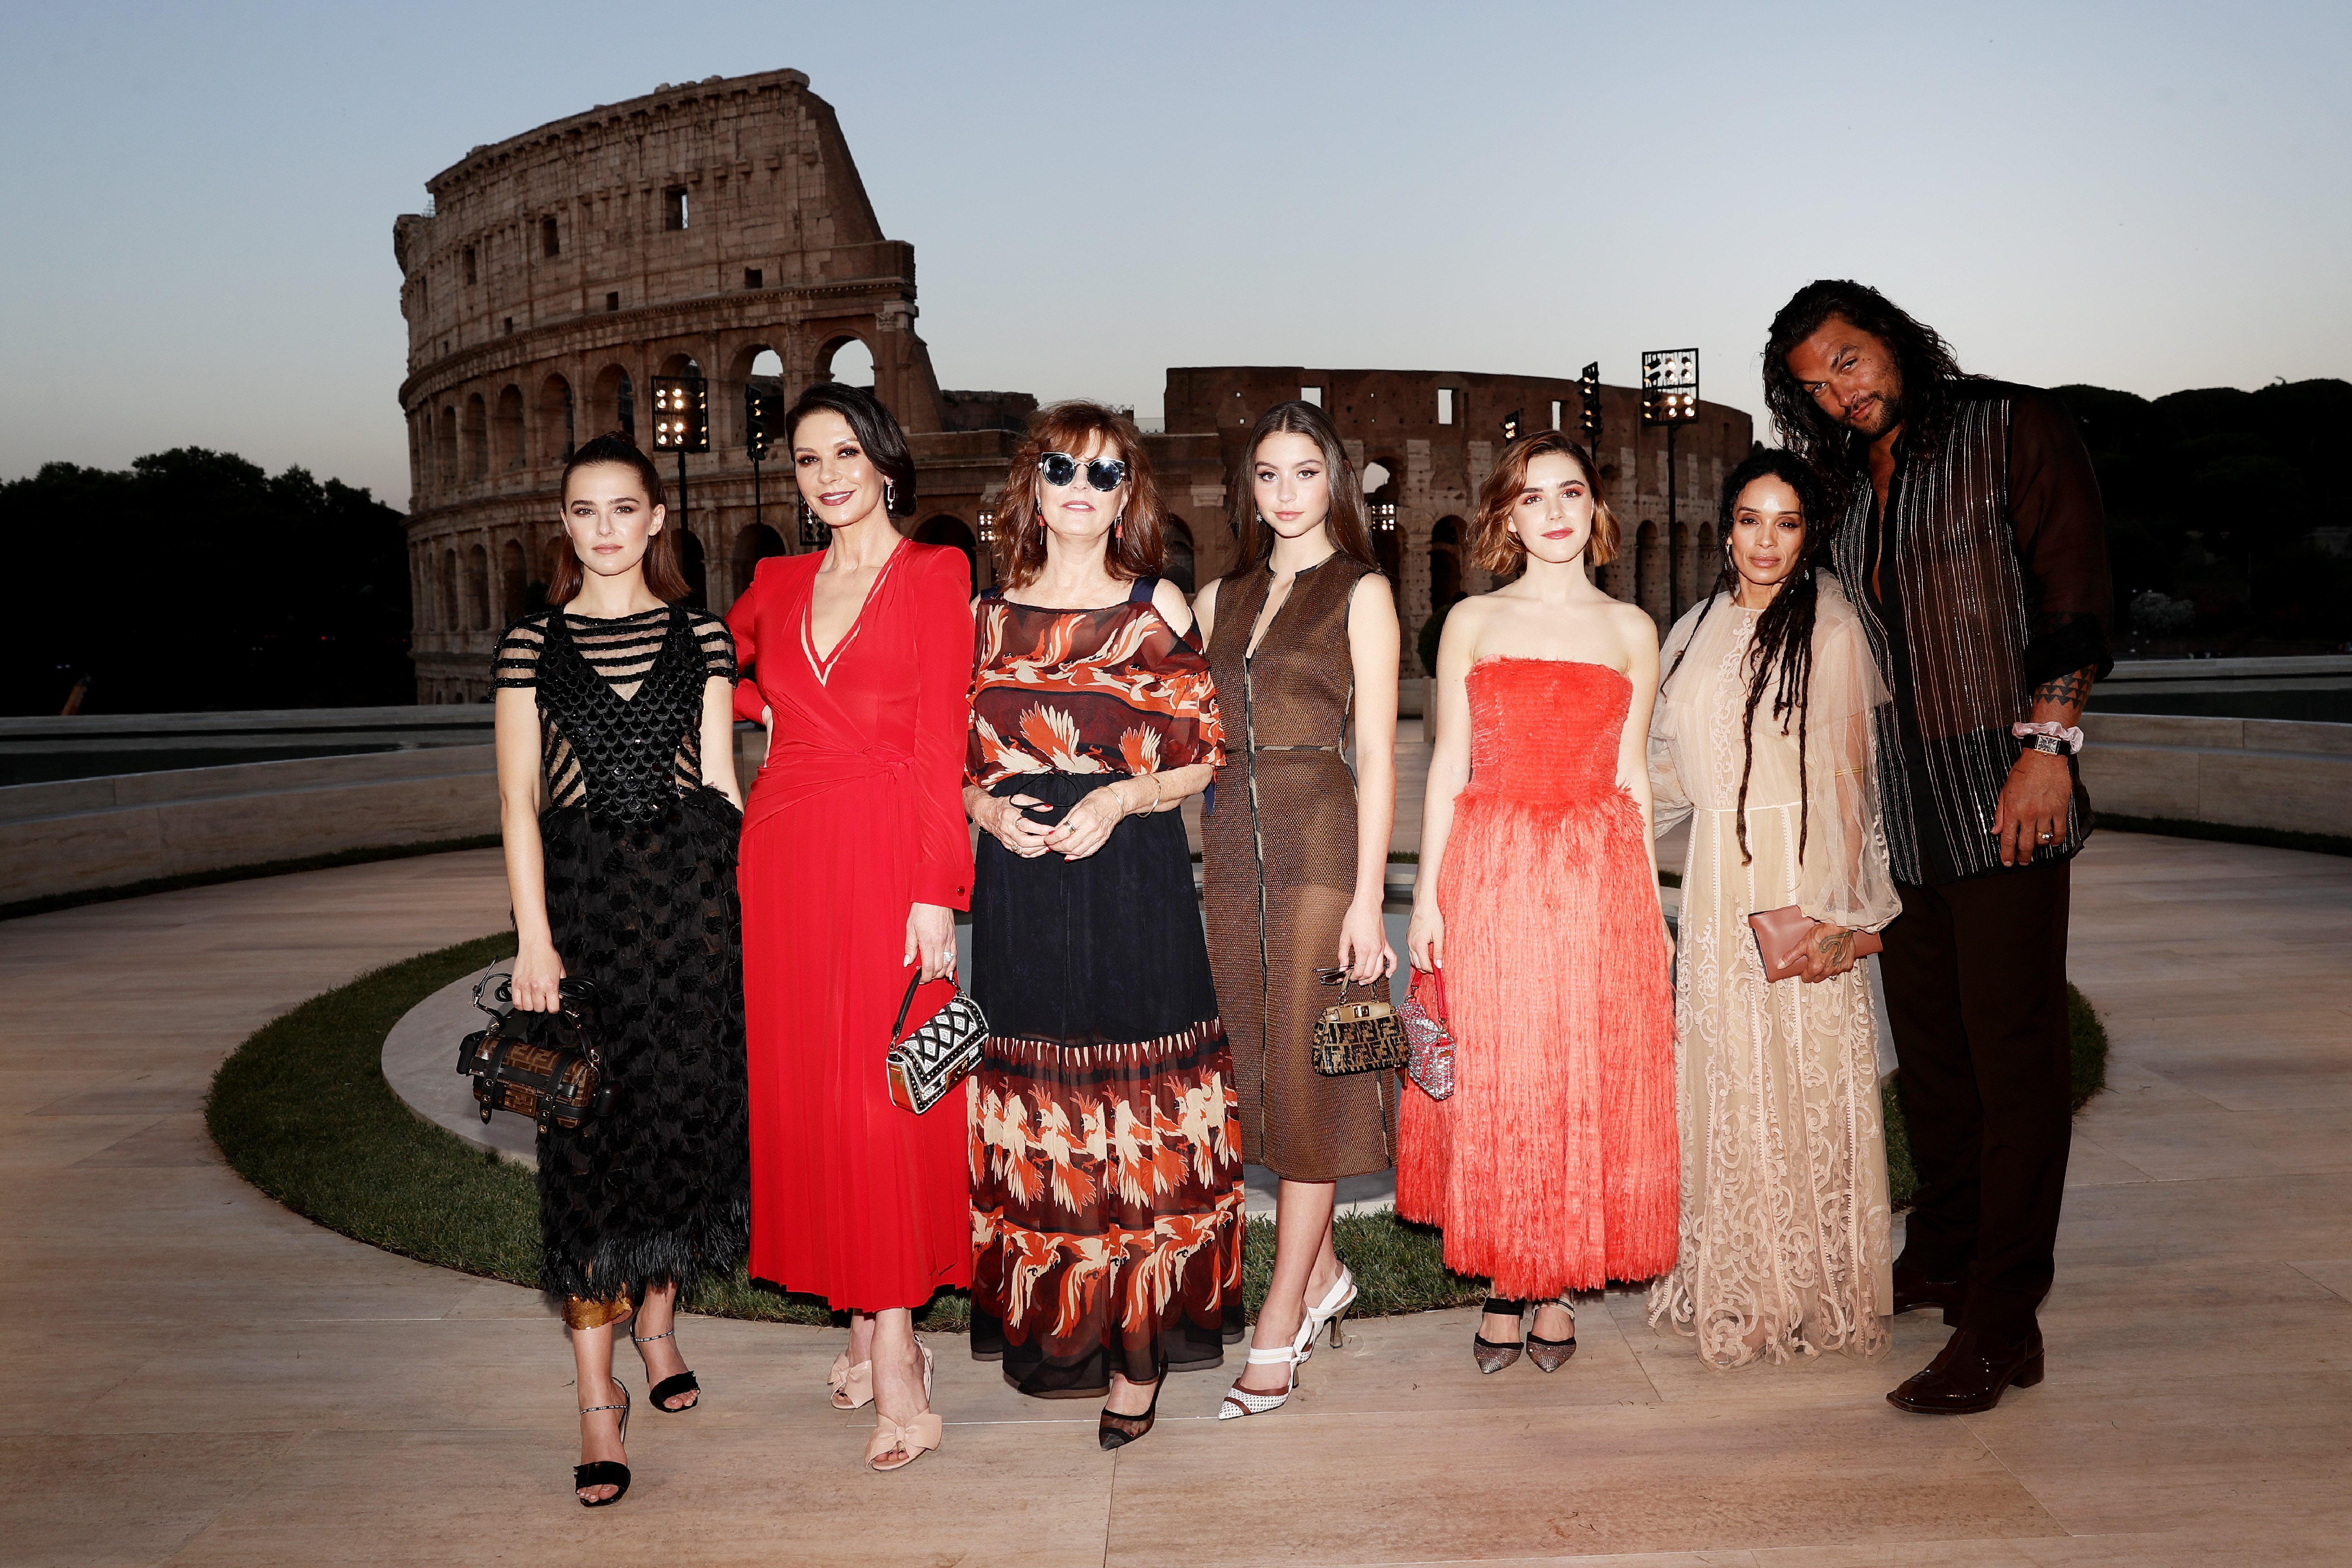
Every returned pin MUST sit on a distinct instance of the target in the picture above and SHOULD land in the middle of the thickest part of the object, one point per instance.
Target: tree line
(2211, 497)
(195, 580)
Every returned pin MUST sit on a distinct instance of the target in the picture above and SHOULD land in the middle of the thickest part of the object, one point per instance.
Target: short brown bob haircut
(1138, 547)
(664, 577)
(1493, 545)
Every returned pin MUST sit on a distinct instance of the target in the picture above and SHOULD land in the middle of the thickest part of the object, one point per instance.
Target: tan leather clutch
(1781, 936)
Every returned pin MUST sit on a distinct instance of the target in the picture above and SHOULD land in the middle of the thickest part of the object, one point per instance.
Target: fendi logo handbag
(1360, 1036)
(544, 1065)
(941, 1053)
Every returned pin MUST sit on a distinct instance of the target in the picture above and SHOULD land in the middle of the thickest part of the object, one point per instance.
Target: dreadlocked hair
(1929, 369)
(1781, 657)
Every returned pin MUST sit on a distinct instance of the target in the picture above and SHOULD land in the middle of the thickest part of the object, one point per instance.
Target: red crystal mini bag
(1429, 1038)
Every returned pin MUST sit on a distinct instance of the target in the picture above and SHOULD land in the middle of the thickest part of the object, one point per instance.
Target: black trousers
(1976, 996)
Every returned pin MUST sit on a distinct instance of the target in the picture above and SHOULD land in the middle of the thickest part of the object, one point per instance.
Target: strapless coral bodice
(1545, 729)
(1553, 1166)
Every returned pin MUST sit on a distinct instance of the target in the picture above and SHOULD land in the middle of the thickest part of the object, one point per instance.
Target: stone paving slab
(201, 1378)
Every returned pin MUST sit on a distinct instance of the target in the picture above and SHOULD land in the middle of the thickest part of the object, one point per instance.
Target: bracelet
(2047, 737)
(1154, 777)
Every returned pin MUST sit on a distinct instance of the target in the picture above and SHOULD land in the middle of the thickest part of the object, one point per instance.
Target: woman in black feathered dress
(618, 801)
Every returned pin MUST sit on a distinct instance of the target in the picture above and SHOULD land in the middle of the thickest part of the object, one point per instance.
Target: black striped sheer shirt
(1984, 576)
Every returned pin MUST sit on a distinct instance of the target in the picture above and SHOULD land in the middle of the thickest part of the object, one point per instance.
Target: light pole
(1670, 397)
(759, 412)
(1588, 420)
(682, 425)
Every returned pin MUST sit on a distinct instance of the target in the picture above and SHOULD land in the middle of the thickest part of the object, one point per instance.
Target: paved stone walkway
(196, 1376)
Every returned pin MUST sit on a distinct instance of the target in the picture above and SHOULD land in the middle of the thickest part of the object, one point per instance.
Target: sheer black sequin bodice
(620, 704)
(640, 876)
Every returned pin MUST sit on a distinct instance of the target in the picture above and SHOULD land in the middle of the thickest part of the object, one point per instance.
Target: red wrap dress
(857, 814)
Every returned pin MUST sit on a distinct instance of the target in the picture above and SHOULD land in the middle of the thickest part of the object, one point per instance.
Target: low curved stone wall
(106, 832)
(2238, 772)
(77, 834)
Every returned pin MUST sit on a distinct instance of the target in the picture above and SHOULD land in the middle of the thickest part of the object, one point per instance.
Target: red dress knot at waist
(798, 771)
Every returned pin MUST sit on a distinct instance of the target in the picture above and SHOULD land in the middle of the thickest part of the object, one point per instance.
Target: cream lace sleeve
(1670, 802)
(1845, 878)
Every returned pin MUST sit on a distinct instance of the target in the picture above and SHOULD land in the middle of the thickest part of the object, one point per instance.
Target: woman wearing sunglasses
(1107, 1177)
(1297, 855)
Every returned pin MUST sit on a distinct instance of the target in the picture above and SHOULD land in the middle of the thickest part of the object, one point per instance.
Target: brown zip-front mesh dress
(1279, 858)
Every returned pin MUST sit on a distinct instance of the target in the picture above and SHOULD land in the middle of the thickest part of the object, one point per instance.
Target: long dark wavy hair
(1782, 657)
(1345, 522)
(1926, 360)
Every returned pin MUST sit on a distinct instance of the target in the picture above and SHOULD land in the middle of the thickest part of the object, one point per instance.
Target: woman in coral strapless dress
(1553, 1166)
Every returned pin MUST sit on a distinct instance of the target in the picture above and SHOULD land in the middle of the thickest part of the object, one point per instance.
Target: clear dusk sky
(199, 198)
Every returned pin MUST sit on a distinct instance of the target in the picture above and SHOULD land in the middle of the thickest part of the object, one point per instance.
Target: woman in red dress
(855, 858)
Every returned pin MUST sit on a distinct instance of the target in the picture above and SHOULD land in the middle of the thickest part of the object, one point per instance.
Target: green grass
(303, 1111)
(239, 874)
(1400, 1267)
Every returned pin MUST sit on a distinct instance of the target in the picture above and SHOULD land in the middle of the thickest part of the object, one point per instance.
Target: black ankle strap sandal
(660, 1395)
(604, 1472)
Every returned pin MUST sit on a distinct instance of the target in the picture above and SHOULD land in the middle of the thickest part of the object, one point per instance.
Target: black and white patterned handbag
(922, 1067)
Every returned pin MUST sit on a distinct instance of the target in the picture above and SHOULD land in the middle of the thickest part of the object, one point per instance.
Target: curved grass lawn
(303, 1111)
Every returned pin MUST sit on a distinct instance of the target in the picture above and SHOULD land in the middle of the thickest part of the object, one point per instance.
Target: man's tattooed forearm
(2067, 690)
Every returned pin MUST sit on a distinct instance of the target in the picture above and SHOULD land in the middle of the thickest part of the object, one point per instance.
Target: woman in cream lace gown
(1764, 716)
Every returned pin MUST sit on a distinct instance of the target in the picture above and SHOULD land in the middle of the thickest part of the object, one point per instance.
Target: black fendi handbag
(544, 1065)
(1363, 1036)
(942, 1052)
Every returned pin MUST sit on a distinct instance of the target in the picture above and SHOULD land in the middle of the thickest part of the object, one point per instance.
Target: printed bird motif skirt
(1106, 1158)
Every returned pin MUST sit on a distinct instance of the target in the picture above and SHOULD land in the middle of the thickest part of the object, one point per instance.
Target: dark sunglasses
(1104, 473)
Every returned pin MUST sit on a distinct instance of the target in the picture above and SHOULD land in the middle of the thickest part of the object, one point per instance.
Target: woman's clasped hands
(1007, 819)
(1084, 828)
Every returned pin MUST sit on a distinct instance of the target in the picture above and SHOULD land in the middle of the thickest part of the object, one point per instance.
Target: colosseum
(718, 229)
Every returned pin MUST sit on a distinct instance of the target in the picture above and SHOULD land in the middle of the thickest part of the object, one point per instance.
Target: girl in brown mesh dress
(616, 795)
(1295, 853)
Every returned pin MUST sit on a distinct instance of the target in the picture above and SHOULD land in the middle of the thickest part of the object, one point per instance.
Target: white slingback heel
(1240, 1400)
(1335, 1305)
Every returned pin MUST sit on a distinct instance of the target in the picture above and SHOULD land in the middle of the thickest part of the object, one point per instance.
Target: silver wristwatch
(2048, 745)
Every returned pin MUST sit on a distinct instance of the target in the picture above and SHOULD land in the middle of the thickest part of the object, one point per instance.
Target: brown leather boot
(1970, 1373)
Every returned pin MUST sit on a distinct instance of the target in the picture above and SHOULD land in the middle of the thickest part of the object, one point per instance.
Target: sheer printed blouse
(1113, 690)
(1830, 860)
(619, 702)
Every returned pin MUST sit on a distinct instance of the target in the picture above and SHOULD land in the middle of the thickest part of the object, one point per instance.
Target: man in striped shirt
(1972, 542)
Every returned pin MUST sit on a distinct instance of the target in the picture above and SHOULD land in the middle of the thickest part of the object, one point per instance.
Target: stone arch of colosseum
(1437, 452)
(713, 224)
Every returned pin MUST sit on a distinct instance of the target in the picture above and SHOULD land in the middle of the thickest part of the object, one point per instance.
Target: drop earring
(1119, 528)
(890, 497)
